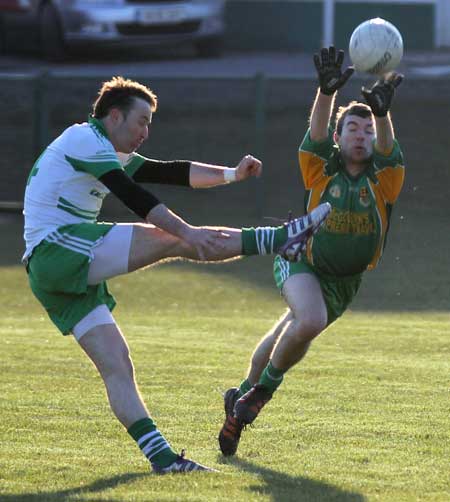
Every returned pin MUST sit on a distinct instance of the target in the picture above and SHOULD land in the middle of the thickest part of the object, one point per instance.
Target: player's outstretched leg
(150, 245)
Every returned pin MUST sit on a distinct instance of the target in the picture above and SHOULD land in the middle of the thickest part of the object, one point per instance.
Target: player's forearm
(174, 172)
(321, 116)
(162, 217)
(207, 175)
(385, 134)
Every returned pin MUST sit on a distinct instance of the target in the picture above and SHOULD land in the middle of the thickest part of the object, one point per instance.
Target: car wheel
(209, 47)
(51, 34)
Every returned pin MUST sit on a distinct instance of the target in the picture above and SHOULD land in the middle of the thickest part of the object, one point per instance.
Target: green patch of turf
(365, 416)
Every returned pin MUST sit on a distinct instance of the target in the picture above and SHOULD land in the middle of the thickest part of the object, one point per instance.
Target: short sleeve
(313, 157)
(322, 148)
(133, 163)
(89, 152)
(390, 172)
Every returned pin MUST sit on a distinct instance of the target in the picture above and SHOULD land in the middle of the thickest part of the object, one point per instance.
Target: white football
(376, 47)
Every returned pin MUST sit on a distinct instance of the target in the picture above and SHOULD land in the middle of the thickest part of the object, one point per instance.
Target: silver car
(58, 25)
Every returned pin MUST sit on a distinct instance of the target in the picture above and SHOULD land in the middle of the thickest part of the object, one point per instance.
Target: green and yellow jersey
(353, 237)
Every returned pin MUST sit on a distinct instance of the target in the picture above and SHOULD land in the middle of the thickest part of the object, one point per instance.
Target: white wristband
(229, 174)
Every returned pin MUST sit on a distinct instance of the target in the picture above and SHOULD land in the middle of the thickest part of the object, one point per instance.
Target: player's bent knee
(314, 326)
(308, 328)
(281, 326)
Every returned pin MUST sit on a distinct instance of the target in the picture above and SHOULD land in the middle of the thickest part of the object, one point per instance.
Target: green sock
(244, 387)
(271, 377)
(263, 240)
(152, 443)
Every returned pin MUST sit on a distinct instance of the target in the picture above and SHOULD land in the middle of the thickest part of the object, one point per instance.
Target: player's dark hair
(120, 93)
(353, 108)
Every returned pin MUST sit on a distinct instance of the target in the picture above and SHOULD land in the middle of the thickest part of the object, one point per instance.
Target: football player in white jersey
(69, 255)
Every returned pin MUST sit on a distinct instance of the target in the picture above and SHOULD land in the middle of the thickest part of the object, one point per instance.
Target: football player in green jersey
(358, 169)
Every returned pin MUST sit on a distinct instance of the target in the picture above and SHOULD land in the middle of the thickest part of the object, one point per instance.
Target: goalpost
(328, 23)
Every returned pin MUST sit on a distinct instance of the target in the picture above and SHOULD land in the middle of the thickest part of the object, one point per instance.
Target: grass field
(364, 417)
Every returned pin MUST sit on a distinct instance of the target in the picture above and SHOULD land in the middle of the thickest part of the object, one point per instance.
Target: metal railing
(41, 126)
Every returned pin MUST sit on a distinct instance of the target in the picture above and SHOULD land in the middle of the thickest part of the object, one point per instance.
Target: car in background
(55, 26)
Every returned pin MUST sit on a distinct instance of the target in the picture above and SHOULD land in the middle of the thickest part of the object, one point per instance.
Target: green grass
(364, 417)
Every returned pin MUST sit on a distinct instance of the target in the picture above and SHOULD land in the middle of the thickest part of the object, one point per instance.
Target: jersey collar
(98, 124)
(369, 171)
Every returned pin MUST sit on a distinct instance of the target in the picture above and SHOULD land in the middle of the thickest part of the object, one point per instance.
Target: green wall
(415, 21)
(297, 25)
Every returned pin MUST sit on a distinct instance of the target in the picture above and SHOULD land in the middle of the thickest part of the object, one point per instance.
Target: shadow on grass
(75, 493)
(284, 488)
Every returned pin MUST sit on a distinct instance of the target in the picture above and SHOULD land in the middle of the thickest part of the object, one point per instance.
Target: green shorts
(58, 273)
(338, 292)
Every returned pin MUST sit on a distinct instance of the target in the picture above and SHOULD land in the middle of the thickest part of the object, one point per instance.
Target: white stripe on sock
(149, 435)
(284, 269)
(272, 239)
(154, 443)
(258, 244)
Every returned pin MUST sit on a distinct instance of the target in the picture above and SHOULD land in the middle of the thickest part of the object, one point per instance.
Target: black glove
(328, 68)
(379, 97)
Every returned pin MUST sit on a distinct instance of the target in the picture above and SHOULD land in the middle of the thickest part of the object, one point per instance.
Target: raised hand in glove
(329, 70)
(379, 97)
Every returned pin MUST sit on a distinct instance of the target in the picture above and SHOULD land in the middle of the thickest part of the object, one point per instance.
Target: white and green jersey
(63, 187)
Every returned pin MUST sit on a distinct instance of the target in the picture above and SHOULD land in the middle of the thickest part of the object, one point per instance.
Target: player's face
(132, 129)
(356, 139)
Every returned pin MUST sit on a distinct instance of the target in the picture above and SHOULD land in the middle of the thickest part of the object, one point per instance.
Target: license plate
(162, 15)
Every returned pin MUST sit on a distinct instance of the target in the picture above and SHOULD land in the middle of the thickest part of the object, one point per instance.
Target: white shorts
(110, 259)
(100, 315)
(111, 255)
